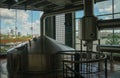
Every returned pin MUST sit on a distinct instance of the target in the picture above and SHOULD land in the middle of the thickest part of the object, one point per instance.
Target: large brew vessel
(36, 56)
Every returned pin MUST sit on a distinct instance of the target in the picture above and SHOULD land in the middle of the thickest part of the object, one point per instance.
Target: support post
(106, 68)
(42, 24)
(77, 67)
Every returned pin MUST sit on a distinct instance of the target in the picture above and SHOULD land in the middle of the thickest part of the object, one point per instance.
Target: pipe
(42, 20)
(42, 23)
(88, 7)
(89, 15)
(47, 14)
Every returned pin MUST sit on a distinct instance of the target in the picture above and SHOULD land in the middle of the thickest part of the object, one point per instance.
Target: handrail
(70, 52)
(82, 62)
(74, 71)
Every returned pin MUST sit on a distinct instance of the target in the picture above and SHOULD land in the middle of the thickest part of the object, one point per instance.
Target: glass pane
(16, 27)
(6, 27)
(105, 17)
(117, 16)
(77, 38)
(36, 23)
(8, 20)
(116, 6)
(105, 36)
(104, 7)
(79, 14)
(117, 36)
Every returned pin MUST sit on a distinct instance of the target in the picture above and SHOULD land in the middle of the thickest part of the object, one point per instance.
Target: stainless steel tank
(36, 56)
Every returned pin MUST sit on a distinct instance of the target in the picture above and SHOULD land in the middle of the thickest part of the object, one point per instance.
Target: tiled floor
(3, 71)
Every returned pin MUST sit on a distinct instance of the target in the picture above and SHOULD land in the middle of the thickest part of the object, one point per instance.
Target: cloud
(23, 21)
(5, 30)
(106, 6)
(7, 13)
(117, 5)
(108, 9)
(22, 16)
(117, 16)
(36, 27)
(108, 17)
(26, 27)
(9, 21)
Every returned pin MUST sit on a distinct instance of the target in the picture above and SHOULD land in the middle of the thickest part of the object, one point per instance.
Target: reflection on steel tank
(36, 56)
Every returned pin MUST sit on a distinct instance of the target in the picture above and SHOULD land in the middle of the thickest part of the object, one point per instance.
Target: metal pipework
(45, 15)
(89, 22)
(89, 25)
(110, 23)
(42, 22)
(88, 7)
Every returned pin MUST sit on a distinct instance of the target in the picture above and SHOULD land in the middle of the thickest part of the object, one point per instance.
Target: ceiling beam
(19, 2)
(36, 2)
(63, 10)
(1, 1)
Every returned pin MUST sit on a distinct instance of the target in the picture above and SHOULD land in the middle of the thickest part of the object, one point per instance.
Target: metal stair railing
(68, 72)
(77, 64)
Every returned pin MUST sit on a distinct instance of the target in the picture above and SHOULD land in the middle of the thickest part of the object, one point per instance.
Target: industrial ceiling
(43, 5)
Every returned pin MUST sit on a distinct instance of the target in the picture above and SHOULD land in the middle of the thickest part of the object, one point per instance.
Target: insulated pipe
(88, 7)
(42, 23)
(45, 15)
(89, 15)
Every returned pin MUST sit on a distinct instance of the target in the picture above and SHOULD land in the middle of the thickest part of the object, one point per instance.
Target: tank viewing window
(17, 26)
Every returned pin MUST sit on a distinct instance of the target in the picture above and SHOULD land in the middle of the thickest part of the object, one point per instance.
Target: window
(104, 7)
(116, 6)
(17, 26)
(103, 10)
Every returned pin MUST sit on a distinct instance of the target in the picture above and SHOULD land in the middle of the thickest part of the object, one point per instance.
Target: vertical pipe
(32, 23)
(105, 68)
(73, 30)
(25, 56)
(0, 38)
(0, 23)
(99, 63)
(71, 65)
(66, 72)
(42, 24)
(16, 23)
(88, 7)
(63, 70)
(77, 58)
(113, 18)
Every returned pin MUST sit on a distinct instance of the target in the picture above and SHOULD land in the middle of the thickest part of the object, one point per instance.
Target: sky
(22, 19)
(27, 19)
(102, 8)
